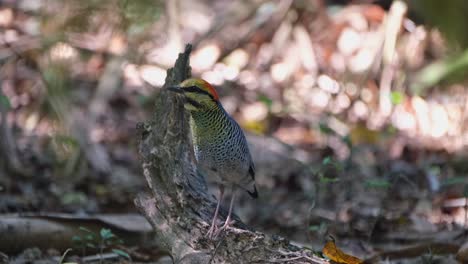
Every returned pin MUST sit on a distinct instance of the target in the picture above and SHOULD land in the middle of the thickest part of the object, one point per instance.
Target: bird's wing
(254, 192)
(252, 170)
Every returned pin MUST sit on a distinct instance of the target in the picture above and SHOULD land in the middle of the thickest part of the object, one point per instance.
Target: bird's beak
(175, 89)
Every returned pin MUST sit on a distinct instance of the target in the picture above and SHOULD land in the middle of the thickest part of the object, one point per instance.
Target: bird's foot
(226, 225)
(212, 232)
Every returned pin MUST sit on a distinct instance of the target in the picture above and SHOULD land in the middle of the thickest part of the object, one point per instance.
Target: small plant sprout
(105, 240)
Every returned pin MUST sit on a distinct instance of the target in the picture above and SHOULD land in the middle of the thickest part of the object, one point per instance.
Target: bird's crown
(199, 85)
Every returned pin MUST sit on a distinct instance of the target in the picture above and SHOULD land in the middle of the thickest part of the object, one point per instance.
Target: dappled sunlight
(152, 74)
(356, 114)
(6, 17)
(63, 52)
(205, 58)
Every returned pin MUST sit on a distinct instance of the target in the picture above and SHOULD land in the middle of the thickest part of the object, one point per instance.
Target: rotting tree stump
(179, 207)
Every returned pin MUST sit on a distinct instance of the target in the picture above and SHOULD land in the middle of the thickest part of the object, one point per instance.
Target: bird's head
(199, 94)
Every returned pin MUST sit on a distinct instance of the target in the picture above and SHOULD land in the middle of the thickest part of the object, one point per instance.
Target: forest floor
(349, 138)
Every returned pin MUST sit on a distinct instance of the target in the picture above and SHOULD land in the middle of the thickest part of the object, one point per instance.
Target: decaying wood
(180, 208)
(45, 231)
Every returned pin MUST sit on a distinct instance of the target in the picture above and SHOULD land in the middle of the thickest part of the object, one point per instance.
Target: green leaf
(266, 100)
(328, 180)
(347, 140)
(454, 181)
(121, 253)
(327, 160)
(67, 140)
(325, 129)
(314, 228)
(5, 101)
(397, 97)
(319, 227)
(113, 241)
(377, 183)
(90, 237)
(449, 70)
(106, 234)
(140, 14)
(76, 239)
(75, 198)
(81, 228)
(90, 245)
(391, 130)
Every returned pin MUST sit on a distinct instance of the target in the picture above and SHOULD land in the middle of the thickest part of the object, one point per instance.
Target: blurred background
(356, 112)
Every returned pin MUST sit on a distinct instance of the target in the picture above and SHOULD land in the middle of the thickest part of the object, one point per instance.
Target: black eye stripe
(193, 102)
(195, 89)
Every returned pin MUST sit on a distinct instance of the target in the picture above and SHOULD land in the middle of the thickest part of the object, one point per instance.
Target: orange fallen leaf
(336, 255)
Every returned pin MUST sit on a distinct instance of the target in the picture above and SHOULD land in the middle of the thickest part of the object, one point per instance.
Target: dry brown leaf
(336, 255)
(360, 134)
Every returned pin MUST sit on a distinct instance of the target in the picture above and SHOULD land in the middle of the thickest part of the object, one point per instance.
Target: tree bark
(179, 207)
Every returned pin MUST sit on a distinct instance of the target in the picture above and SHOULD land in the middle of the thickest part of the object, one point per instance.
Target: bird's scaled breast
(223, 155)
(224, 159)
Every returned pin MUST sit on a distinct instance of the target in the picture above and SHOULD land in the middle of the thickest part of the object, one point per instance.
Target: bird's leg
(214, 229)
(228, 222)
